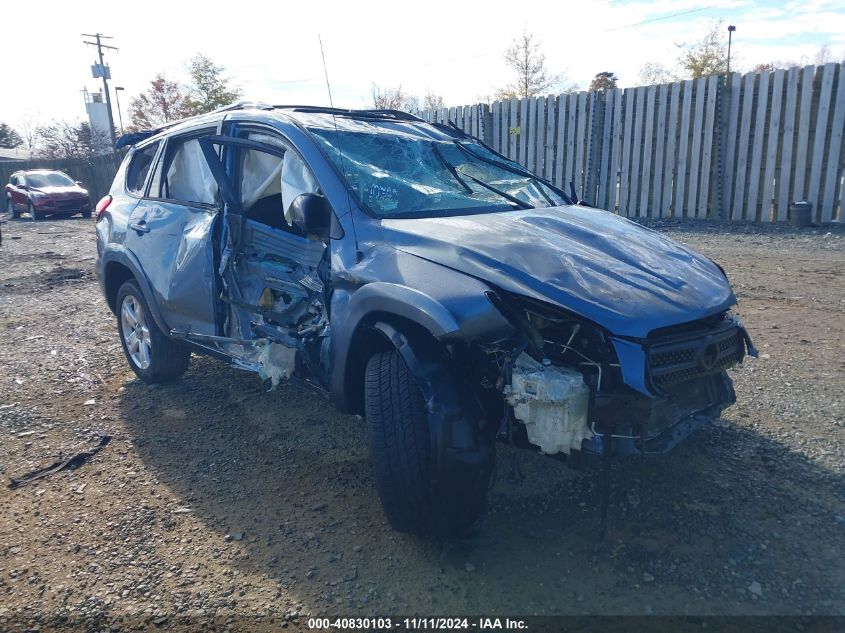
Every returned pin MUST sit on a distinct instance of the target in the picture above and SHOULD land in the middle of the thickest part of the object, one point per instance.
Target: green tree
(162, 102)
(707, 56)
(9, 138)
(209, 89)
(605, 80)
(528, 61)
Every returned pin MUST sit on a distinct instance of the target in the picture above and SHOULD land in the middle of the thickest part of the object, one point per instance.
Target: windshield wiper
(519, 172)
(451, 168)
(520, 203)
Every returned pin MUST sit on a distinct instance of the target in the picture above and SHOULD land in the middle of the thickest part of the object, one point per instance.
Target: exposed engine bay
(565, 389)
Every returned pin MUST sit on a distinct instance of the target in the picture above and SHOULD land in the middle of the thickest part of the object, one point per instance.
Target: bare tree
(64, 139)
(823, 56)
(433, 101)
(394, 98)
(605, 80)
(707, 56)
(653, 73)
(28, 130)
(528, 61)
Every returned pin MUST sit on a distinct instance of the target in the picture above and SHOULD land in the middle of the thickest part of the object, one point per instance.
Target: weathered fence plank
(731, 144)
(666, 204)
(772, 146)
(834, 161)
(695, 156)
(785, 173)
(757, 148)
(569, 172)
(657, 184)
(737, 212)
(819, 145)
(615, 153)
(627, 140)
(707, 151)
(551, 113)
(683, 150)
(805, 113)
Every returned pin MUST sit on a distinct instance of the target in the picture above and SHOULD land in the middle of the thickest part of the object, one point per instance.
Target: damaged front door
(273, 275)
(170, 230)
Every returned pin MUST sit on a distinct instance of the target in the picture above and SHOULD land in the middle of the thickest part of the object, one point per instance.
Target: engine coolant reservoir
(552, 403)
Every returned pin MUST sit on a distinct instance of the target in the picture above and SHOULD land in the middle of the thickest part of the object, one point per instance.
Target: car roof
(41, 171)
(303, 115)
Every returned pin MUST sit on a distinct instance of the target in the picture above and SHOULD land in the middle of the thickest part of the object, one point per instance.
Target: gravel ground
(218, 502)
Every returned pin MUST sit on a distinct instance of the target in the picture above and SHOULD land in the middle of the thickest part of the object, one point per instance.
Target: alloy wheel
(135, 332)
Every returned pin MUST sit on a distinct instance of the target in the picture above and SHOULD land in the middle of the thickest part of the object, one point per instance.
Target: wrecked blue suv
(420, 279)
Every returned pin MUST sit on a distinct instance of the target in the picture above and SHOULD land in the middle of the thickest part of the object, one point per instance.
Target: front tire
(152, 356)
(33, 215)
(10, 207)
(400, 445)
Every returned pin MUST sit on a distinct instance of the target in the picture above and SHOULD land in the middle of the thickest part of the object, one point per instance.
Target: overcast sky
(271, 50)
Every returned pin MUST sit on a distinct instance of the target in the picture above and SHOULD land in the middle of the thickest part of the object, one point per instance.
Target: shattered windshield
(413, 170)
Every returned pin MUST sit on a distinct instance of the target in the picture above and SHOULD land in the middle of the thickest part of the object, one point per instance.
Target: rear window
(139, 168)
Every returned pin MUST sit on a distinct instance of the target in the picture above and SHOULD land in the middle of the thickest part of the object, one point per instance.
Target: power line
(657, 19)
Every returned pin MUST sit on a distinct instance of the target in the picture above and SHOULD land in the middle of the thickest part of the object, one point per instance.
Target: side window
(136, 174)
(13, 180)
(184, 174)
(269, 184)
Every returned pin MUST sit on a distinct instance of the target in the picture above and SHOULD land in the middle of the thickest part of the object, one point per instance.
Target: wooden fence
(96, 173)
(738, 147)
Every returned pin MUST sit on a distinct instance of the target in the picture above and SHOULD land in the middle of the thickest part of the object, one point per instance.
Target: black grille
(67, 205)
(674, 359)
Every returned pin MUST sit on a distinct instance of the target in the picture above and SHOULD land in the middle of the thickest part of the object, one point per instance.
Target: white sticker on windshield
(382, 197)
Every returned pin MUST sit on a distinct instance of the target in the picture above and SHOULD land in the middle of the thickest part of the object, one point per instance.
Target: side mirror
(78, 183)
(312, 213)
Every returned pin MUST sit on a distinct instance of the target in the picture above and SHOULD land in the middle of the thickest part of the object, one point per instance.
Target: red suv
(43, 192)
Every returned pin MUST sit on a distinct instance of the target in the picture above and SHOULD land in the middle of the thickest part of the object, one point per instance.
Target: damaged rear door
(272, 274)
(170, 231)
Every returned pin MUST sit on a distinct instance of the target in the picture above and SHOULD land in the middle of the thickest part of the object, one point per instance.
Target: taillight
(102, 205)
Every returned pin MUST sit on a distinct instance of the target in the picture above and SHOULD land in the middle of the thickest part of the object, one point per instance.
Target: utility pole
(100, 46)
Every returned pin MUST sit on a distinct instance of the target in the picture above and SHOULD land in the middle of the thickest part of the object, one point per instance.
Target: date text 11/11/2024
(418, 624)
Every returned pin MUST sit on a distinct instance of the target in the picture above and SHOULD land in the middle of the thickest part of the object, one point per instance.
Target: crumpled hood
(626, 278)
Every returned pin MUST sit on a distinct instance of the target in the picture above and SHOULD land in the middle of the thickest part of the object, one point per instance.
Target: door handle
(140, 227)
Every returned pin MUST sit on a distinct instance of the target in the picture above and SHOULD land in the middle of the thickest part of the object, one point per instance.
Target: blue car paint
(625, 278)
(611, 271)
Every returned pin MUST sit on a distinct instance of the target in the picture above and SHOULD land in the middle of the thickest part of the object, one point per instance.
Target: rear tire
(400, 445)
(151, 354)
(85, 214)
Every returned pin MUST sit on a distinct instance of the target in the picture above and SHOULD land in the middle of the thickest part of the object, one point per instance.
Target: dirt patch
(218, 501)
